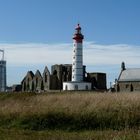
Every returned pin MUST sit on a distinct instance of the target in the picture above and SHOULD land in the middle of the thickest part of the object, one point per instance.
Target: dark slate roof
(132, 74)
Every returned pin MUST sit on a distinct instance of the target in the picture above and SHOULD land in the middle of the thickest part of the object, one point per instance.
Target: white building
(2, 73)
(77, 82)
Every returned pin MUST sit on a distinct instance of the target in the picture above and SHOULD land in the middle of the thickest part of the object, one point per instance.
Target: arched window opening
(46, 78)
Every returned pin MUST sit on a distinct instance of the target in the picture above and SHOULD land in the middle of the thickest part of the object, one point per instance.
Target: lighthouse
(77, 82)
(77, 58)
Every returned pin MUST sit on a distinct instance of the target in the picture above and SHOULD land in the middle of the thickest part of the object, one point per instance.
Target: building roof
(30, 73)
(132, 74)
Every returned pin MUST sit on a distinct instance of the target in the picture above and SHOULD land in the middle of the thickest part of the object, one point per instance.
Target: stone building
(27, 82)
(59, 74)
(16, 88)
(46, 79)
(128, 80)
(38, 82)
(98, 80)
(62, 72)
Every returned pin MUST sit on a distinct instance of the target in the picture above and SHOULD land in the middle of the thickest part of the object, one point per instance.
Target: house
(128, 80)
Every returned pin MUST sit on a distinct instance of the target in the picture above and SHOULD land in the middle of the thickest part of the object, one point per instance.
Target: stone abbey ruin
(54, 81)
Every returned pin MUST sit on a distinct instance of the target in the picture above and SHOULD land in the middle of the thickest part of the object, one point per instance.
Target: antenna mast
(2, 54)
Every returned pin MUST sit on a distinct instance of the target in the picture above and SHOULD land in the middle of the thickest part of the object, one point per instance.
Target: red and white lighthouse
(77, 58)
(77, 82)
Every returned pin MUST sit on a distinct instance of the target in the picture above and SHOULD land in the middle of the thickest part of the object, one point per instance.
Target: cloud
(97, 57)
(21, 54)
(112, 54)
(94, 54)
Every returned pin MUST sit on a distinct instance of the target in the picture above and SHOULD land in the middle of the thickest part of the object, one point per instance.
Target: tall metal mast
(2, 54)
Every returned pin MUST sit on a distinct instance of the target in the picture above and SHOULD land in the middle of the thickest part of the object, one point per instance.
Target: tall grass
(14, 134)
(84, 111)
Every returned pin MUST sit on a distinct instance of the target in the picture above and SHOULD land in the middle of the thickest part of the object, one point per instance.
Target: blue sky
(28, 28)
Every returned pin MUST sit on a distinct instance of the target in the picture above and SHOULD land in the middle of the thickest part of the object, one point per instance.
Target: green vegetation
(70, 115)
(63, 135)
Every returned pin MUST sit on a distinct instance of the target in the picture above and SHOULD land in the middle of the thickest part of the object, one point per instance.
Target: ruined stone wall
(54, 83)
(59, 74)
(46, 79)
(98, 80)
(63, 73)
(27, 82)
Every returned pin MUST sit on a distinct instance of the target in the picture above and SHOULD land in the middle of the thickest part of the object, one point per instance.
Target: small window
(86, 87)
(76, 87)
(66, 87)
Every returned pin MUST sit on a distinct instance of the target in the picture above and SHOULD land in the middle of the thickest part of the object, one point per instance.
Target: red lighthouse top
(78, 37)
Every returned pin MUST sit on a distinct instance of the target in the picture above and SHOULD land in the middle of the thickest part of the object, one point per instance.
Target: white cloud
(21, 54)
(112, 54)
(94, 54)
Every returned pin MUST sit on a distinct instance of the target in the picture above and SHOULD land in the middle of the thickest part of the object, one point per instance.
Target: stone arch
(32, 86)
(131, 88)
(42, 85)
(46, 76)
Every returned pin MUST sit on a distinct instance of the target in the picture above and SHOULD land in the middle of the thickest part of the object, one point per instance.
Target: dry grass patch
(71, 111)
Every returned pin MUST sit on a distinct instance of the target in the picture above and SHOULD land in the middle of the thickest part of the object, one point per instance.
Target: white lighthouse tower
(77, 58)
(77, 82)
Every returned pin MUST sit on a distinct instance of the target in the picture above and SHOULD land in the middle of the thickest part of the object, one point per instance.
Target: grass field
(6, 134)
(74, 115)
